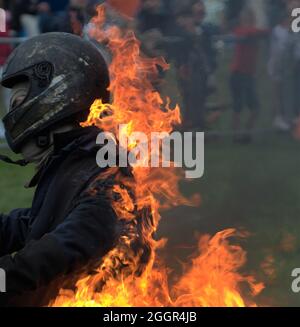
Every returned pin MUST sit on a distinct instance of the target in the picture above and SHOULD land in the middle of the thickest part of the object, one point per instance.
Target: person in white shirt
(281, 45)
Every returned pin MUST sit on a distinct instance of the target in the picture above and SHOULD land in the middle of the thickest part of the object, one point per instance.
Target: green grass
(12, 185)
(253, 188)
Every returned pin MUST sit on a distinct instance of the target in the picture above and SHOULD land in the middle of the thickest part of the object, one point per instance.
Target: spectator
(296, 75)
(259, 8)
(25, 17)
(71, 20)
(243, 69)
(206, 33)
(276, 7)
(215, 12)
(279, 58)
(233, 11)
(296, 67)
(153, 16)
(192, 69)
(57, 6)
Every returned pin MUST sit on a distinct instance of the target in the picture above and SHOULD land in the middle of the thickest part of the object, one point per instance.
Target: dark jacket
(66, 228)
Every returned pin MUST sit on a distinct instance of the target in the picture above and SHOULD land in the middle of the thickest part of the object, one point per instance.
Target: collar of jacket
(81, 140)
(84, 138)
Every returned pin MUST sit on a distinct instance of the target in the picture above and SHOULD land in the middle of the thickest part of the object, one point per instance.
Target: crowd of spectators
(189, 34)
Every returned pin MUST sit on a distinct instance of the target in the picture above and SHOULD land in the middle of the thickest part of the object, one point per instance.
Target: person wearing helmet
(54, 80)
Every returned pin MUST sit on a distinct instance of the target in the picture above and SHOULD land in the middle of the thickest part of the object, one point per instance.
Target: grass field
(253, 187)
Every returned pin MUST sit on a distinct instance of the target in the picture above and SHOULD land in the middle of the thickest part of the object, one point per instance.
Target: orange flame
(212, 278)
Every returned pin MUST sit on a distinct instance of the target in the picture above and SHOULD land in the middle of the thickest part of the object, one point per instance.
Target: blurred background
(235, 71)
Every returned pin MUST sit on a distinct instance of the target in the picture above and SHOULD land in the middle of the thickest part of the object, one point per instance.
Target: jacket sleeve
(89, 232)
(13, 230)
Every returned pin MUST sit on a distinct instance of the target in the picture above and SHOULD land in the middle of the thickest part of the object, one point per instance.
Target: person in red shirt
(243, 69)
(5, 48)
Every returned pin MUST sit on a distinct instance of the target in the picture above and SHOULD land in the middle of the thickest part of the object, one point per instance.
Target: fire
(132, 274)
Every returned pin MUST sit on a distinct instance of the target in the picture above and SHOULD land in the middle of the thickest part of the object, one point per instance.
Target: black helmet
(65, 73)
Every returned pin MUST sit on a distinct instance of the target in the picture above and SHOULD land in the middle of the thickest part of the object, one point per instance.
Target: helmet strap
(10, 161)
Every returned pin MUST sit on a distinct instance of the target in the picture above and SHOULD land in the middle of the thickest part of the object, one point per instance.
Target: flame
(132, 274)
